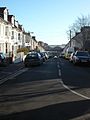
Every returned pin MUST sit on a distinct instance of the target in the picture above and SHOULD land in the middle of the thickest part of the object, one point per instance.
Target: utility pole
(70, 38)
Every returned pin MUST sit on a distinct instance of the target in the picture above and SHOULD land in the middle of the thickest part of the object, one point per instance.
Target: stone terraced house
(13, 35)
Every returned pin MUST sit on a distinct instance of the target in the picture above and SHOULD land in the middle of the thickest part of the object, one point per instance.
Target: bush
(25, 50)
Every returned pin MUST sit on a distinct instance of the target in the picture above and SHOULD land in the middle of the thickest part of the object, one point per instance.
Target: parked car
(32, 59)
(81, 57)
(3, 59)
(46, 55)
(43, 56)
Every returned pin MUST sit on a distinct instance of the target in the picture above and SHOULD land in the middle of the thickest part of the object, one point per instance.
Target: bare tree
(79, 23)
(83, 21)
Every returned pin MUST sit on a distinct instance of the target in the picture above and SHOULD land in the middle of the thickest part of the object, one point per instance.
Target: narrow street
(56, 90)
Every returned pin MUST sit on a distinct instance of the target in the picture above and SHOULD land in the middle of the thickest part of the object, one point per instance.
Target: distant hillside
(53, 46)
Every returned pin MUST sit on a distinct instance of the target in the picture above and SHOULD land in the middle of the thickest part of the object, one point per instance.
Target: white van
(68, 52)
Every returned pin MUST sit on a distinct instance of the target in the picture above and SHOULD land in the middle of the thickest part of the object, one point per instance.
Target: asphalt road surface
(56, 90)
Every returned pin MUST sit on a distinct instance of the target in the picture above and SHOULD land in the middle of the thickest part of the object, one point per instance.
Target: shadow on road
(78, 76)
(61, 111)
(45, 92)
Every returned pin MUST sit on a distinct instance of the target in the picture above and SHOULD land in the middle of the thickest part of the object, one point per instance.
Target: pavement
(10, 69)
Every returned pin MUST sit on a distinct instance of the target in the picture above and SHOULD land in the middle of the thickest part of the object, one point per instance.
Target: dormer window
(6, 14)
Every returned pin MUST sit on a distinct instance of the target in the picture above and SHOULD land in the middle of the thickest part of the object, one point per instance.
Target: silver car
(81, 57)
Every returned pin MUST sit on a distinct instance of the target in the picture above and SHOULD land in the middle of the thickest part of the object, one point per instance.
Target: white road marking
(57, 63)
(58, 66)
(65, 86)
(6, 72)
(59, 73)
(13, 75)
(18, 73)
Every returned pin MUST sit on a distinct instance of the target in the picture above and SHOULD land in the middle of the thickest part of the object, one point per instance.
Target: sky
(49, 20)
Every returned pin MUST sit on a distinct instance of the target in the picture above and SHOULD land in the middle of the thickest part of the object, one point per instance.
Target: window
(6, 30)
(12, 34)
(18, 36)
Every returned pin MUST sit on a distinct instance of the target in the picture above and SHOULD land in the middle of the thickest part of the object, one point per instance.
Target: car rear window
(32, 55)
(82, 53)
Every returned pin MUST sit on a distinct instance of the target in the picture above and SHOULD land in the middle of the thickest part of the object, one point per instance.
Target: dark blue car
(32, 59)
